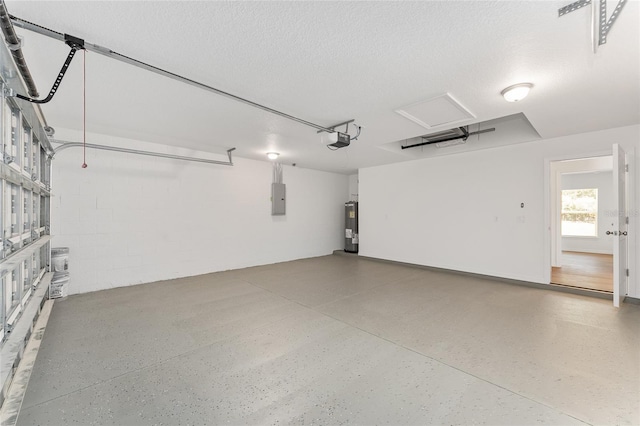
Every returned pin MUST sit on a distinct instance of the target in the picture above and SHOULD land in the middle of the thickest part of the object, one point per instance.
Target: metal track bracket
(573, 6)
(333, 128)
(75, 44)
(604, 25)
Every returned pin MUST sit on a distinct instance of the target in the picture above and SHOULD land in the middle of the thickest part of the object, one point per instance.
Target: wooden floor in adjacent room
(585, 270)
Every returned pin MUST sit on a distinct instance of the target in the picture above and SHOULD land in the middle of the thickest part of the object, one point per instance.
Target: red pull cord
(84, 109)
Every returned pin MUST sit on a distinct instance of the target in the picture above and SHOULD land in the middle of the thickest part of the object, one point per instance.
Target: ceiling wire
(355, 138)
(346, 151)
(84, 109)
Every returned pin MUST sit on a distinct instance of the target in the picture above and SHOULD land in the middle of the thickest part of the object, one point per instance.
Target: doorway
(582, 252)
(590, 271)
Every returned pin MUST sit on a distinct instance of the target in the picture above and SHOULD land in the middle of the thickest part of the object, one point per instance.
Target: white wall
(134, 219)
(603, 181)
(463, 211)
(353, 188)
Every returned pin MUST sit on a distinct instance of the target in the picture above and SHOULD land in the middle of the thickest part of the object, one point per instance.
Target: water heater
(351, 227)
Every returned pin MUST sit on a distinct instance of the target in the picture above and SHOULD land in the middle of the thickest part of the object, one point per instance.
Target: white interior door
(620, 226)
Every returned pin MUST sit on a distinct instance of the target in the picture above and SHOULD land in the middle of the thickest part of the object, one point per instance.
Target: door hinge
(626, 167)
(626, 220)
(627, 272)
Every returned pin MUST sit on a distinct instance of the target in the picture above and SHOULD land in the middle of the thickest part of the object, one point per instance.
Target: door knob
(623, 232)
(609, 233)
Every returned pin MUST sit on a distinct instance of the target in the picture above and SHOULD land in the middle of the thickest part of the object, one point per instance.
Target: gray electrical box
(278, 199)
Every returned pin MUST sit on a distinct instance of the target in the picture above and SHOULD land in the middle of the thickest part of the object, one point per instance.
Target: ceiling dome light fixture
(273, 155)
(517, 92)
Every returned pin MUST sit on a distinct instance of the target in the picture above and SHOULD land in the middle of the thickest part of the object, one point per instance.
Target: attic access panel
(438, 111)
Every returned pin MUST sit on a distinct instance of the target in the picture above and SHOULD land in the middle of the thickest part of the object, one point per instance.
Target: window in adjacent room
(580, 212)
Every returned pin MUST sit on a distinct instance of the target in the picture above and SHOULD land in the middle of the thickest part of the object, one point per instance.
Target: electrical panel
(278, 199)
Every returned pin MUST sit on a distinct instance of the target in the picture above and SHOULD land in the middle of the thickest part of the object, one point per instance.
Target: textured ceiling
(328, 62)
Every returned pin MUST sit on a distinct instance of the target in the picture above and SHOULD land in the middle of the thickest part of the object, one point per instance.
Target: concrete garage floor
(335, 340)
